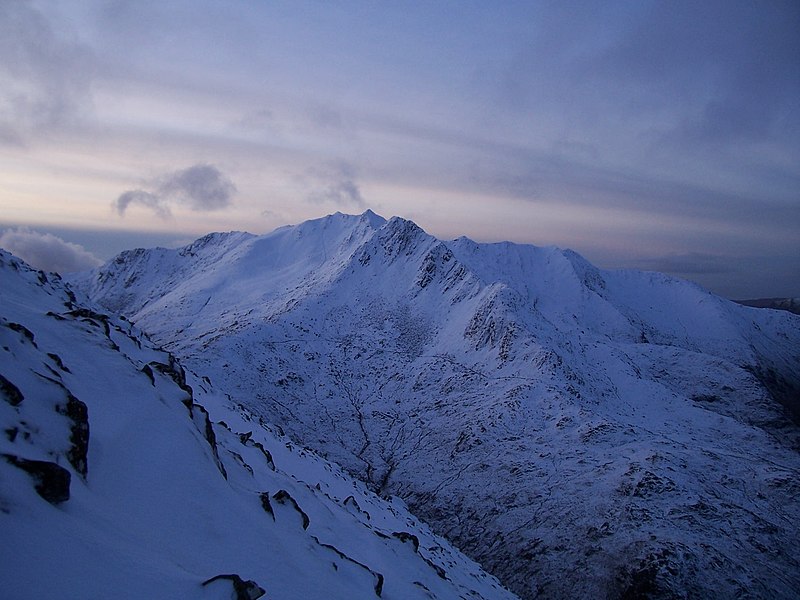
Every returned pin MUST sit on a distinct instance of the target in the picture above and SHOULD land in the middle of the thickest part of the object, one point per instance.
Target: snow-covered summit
(580, 432)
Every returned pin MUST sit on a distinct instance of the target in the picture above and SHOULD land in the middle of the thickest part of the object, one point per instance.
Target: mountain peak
(338, 220)
(373, 218)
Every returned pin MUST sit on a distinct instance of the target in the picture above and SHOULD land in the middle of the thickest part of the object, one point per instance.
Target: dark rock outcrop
(76, 411)
(52, 481)
(266, 505)
(404, 537)
(378, 577)
(10, 392)
(24, 331)
(199, 416)
(243, 589)
(283, 497)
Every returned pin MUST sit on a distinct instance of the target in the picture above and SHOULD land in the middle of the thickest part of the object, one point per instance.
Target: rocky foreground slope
(123, 476)
(579, 432)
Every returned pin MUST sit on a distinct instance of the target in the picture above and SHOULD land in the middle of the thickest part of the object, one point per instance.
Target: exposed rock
(52, 481)
(407, 537)
(199, 416)
(783, 389)
(282, 497)
(93, 317)
(10, 392)
(377, 576)
(244, 438)
(23, 330)
(147, 370)
(175, 372)
(57, 359)
(78, 452)
(662, 574)
(243, 590)
(651, 484)
(266, 505)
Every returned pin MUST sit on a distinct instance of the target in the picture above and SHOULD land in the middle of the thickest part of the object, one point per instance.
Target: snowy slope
(580, 432)
(115, 483)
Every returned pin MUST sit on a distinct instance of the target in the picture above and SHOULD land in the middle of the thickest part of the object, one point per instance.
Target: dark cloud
(334, 183)
(654, 194)
(578, 174)
(45, 78)
(201, 187)
(749, 69)
(715, 71)
(47, 252)
(146, 199)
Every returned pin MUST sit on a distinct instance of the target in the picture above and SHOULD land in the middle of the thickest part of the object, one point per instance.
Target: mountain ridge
(124, 475)
(549, 417)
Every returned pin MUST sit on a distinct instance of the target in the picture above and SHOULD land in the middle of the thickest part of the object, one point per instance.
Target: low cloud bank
(47, 252)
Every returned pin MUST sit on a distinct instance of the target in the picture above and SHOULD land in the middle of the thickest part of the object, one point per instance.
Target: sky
(650, 135)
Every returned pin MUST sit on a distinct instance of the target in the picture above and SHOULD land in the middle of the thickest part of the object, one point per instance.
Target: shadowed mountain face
(581, 433)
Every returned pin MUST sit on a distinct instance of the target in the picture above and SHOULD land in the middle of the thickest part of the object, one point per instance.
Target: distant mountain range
(581, 433)
(790, 304)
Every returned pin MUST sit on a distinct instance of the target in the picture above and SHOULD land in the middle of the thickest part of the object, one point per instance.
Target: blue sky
(654, 135)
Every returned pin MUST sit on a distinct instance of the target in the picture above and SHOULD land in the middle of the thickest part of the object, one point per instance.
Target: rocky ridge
(124, 475)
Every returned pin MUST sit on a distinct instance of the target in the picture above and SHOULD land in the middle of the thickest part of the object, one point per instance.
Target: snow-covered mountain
(579, 432)
(124, 476)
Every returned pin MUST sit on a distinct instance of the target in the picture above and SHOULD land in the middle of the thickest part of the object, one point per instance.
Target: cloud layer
(45, 77)
(630, 128)
(200, 187)
(47, 252)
